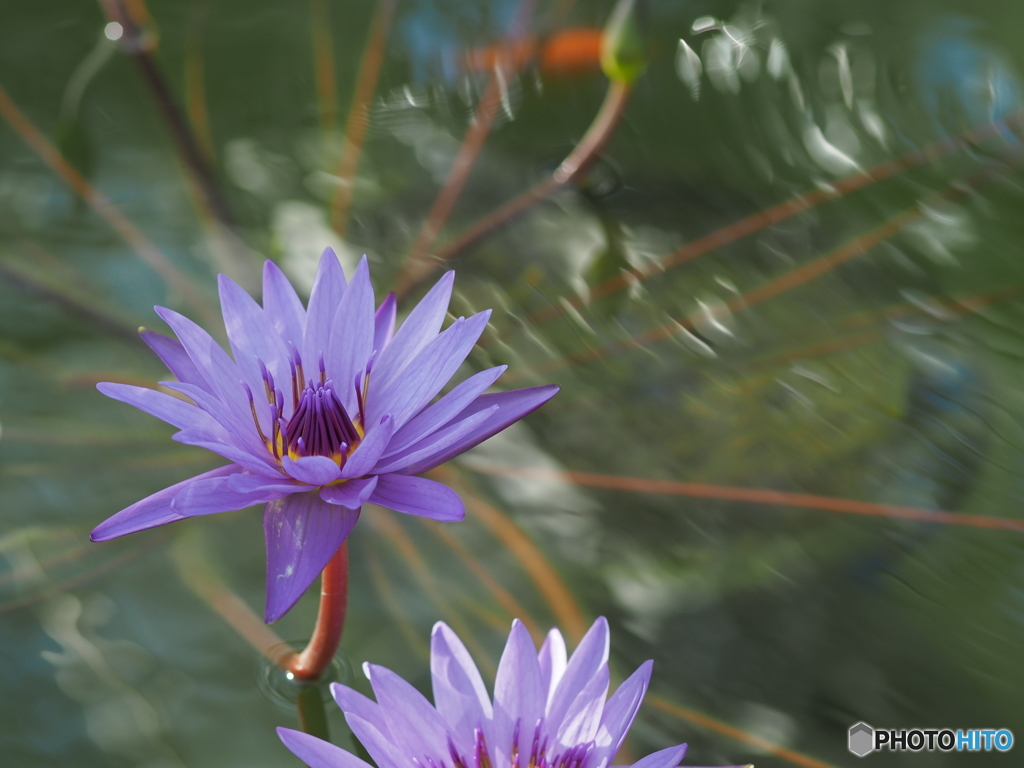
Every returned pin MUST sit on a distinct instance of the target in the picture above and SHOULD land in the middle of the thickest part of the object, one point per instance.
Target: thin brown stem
(585, 152)
(359, 113)
(330, 623)
(149, 253)
(138, 45)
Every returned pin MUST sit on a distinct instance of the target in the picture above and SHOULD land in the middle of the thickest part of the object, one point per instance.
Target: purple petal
(399, 395)
(666, 758)
(316, 753)
(252, 336)
(435, 443)
(314, 470)
(552, 661)
(380, 745)
(354, 703)
(418, 496)
(411, 719)
(459, 692)
(172, 410)
(247, 482)
(240, 427)
(328, 288)
(351, 493)
(303, 532)
(351, 336)
(369, 450)
(588, 658)
(583, 717)
(282, 306)
(216, 368)
(432, 384)
(444, 410)
(174, 357)
(518, 695)
(213, 495)
(151, 511)
(384, 322)
(512, 406)
(418, 330)
(620, 710)
(210, 441)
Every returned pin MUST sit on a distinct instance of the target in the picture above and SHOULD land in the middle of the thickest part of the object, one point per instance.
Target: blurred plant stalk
(138, 42)
(622, 59)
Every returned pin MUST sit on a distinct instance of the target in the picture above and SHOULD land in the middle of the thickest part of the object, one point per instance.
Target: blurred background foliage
(782, 296)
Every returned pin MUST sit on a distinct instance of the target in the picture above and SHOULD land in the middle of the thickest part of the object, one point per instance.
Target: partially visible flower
(548, 712)
(321, 410)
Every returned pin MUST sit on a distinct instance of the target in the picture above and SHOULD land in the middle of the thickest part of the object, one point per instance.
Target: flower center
(319, 424)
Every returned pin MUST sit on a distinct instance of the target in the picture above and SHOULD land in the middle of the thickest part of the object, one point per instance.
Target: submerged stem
(318, 654)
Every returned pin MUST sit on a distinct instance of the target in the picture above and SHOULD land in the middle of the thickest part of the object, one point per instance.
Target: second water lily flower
(322, 409)
(548, 711)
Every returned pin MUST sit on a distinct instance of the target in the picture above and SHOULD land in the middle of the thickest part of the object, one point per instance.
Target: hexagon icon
(862, 739)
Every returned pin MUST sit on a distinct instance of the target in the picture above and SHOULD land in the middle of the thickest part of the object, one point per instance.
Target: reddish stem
(330, 623)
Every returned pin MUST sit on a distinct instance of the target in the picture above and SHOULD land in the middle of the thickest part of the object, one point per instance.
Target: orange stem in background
(717, 726)
(756, 496)
(359, 113)
(131, 234)
(593, 141)
(330, 622)
(780, 212)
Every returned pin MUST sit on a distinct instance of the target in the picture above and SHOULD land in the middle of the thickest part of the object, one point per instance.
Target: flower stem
(319, 653)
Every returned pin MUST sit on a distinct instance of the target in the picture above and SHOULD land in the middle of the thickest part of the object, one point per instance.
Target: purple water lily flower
(321, 410)
(548, 712)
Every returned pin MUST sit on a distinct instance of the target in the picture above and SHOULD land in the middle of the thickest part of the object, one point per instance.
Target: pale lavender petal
(552, 659)
(518, 694)
(314, 470)
(351, 336)
(217, 369)
(512, 406)
(584, 663)
(252, 335)
(351, 493)
(583, 717)
(459, 692)
(241, 428)
(418, 496)
(328, 288)
(220, 372)
(444, 410)
(384, 322)
(398, 396)
(174, 357)
(213, 495)
(303, 532)
(666, 758)
(380, 745)
(151, 511)
(369, 450)
(172, 410)
(282, 305)
(435, 443)
(411, 719)
(431, 379)
(352, 702)
(211, 442)
(317, 753)
(418, 330)
(248, 482)
(619, 712)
